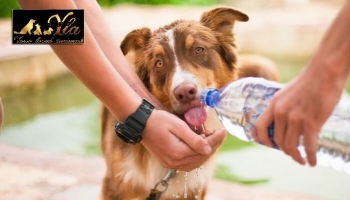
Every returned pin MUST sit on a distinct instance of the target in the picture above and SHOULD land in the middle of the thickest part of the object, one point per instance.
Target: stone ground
(26, 174)
(32, 175)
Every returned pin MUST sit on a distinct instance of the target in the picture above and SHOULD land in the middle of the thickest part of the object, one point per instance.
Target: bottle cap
(210, 96)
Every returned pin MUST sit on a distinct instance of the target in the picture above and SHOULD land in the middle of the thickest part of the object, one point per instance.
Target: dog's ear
(222, 19)
(135, 40)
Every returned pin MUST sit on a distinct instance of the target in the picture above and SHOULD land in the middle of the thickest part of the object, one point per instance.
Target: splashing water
(200, 188)
(186, 182)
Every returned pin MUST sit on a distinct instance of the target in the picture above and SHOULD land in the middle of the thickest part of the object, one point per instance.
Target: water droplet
(186, 179)
(197, 169)
(196, 197)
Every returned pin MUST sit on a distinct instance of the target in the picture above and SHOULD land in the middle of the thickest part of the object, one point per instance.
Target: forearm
(333, 53)
(110, 48)
(91, 66)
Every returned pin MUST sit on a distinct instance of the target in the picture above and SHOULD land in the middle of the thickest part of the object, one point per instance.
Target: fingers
(261, 126)
(291, 141)
(280, 126)
(216, 138)
(193, 140)
(310, 145)
(195, 160)
(286, 132)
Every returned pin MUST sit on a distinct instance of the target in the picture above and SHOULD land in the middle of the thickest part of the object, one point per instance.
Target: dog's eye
(199, 50)
(159, 63)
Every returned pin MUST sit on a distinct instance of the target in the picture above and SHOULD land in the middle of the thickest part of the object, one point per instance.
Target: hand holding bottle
(302, 107)
(298, 109)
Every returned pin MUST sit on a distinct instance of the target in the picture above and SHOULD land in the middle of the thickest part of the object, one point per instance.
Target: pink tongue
(196, 116)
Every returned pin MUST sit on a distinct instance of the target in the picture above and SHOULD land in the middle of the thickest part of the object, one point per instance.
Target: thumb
(193, 140)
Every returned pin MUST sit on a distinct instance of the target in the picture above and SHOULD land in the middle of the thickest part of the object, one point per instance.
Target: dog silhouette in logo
(37, 30)
(48, 31)
(27, 28)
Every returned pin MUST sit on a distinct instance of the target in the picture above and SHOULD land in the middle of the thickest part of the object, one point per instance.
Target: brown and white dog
(175, 62)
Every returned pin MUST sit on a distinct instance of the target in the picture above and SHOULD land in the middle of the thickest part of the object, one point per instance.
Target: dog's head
(176, 62)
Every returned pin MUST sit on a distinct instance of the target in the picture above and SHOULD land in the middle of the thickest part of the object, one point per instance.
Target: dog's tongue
(195, 116)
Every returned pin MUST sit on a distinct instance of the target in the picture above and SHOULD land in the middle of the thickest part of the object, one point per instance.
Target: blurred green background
(7, 5)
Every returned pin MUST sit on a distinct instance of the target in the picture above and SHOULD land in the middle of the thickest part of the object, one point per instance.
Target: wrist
(325, 74)
(130, 130)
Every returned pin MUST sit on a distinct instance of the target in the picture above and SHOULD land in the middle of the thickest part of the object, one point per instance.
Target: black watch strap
(137, 121)
(130, 130)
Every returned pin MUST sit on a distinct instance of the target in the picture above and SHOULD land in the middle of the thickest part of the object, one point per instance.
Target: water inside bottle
(234, 129)
(239, 113)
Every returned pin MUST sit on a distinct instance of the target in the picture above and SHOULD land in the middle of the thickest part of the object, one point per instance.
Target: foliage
(6, 7)
(232, 143)
(158, 2)
(223, 172)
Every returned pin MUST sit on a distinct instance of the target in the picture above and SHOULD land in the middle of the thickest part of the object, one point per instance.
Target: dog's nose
(185, 92)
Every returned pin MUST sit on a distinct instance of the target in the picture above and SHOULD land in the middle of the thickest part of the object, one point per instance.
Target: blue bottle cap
(210, 96)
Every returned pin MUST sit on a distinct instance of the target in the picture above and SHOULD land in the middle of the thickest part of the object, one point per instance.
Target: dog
(37, 30)
(48, 31)
(175, 63)
(27, 28)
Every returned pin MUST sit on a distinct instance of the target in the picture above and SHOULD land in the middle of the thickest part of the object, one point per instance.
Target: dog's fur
(175, 63)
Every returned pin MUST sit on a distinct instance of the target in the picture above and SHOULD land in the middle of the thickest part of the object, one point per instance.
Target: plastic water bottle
(240, 103)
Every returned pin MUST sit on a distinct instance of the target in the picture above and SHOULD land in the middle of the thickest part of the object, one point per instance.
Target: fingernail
(207, 149)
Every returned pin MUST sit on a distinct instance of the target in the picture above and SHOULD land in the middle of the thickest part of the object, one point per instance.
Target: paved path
(32, 175)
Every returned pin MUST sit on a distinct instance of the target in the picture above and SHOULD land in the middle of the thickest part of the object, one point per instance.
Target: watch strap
(137, 121)
(130, 130)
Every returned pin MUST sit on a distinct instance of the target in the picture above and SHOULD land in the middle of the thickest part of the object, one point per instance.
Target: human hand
(299, 109)
(175, 145)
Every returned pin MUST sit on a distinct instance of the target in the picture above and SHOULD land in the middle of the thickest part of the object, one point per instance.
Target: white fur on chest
(195, 180)
(182, 182)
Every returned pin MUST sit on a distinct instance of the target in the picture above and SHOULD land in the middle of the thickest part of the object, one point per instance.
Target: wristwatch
(130, 130)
